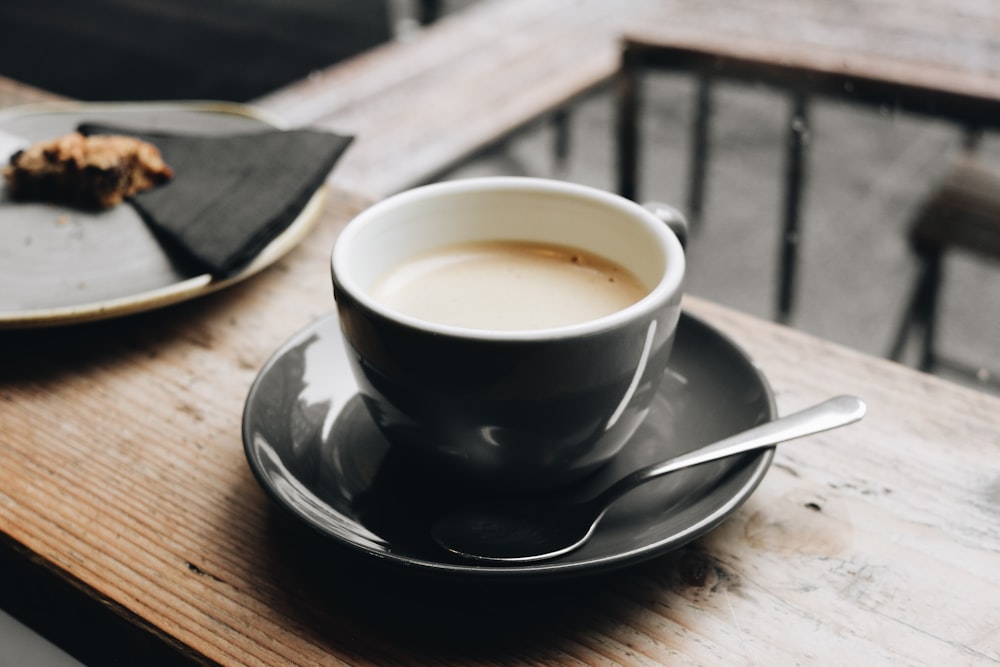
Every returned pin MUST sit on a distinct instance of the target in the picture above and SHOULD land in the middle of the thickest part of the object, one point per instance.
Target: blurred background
(869, 170)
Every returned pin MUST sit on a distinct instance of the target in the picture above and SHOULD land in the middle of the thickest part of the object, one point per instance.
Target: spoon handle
(829, 414)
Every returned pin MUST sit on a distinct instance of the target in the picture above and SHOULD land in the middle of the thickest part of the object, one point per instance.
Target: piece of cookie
(89, 172)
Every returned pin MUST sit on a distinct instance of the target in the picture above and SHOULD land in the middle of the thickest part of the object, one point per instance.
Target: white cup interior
(524, 209)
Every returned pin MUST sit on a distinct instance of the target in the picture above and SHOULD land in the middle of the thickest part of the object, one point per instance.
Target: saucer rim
(556, 569)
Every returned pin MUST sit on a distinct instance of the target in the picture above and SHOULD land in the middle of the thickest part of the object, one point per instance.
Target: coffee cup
(476, 350)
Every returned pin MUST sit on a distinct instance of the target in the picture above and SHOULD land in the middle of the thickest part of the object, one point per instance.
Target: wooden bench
(967, 98)
(419, 107)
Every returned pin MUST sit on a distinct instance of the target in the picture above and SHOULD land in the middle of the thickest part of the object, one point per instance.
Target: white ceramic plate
(60, 265)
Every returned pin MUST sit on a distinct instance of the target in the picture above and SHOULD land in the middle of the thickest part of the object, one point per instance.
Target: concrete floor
(868, 172)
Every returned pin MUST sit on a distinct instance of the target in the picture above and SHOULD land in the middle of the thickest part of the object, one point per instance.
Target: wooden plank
(460, 86)
(955, 35)
(937, 90)
(381, 70)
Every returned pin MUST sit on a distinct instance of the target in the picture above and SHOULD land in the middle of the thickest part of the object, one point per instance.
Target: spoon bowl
(523, 532)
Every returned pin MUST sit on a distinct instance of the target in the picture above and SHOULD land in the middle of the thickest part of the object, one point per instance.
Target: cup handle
(672, 218)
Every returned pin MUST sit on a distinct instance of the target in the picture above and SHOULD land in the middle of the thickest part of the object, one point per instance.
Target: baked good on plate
(93, 172)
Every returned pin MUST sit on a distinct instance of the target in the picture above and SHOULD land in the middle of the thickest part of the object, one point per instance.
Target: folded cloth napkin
(232, 194)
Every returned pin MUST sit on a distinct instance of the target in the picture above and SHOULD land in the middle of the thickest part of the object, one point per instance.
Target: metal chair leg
(560, 141)
(626, 124)
(920, 317)
(927, 307)
(795, 178)
(429, 11)
(698, 170)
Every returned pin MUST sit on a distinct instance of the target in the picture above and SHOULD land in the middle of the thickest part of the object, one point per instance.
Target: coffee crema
(508, 286)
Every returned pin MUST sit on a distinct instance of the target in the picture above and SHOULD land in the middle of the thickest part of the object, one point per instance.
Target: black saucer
(313, 448)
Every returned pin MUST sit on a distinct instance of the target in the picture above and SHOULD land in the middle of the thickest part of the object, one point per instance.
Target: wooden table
(131, 527)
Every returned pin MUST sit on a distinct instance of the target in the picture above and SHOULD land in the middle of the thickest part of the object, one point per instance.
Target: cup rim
(661, 294)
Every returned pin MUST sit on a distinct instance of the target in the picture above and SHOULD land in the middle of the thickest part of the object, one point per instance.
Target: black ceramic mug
(522, 409)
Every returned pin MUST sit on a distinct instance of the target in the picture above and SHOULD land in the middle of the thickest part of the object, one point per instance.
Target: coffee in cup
(509, 332)
(507, 285)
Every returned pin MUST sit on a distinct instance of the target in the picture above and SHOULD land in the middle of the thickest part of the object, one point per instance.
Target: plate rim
(183, 290)
(533, 571)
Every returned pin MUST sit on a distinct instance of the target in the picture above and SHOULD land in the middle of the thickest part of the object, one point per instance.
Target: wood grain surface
(122, 472)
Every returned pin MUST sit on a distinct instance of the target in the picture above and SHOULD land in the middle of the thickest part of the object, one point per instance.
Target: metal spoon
(524, 532)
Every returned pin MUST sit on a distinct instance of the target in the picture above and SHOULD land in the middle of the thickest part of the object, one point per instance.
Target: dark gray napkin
(233, 194)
